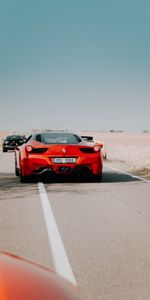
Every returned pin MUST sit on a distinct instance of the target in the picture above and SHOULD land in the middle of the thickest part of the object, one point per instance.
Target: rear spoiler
(87, 137)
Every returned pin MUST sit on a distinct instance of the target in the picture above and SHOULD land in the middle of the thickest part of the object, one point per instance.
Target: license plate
(64, 160)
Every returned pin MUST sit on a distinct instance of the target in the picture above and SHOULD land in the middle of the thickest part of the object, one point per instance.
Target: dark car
(11, 141)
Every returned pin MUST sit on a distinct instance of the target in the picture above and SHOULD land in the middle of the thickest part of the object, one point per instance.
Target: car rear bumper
(9, 147)
(44, 165)
(82, 170)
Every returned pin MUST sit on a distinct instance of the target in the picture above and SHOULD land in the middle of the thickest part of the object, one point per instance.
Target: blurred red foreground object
(24, 280)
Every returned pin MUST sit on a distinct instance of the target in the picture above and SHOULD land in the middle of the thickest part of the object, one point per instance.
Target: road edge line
(132, 175)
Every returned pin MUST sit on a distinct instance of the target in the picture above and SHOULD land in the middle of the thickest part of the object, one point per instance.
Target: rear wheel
(4, 150)
(17, 172)
(23, 178)
(97, 178)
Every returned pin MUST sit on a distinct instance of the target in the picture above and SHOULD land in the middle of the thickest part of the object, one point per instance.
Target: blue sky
(75, 64)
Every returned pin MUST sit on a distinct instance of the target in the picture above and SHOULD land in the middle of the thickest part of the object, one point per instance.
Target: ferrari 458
(100, 143)
(59, 153)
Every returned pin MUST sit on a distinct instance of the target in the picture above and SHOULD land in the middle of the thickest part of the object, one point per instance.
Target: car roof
(55, 132)
(14, 136)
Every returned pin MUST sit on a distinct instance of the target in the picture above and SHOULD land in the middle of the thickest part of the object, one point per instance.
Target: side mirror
(16, 148)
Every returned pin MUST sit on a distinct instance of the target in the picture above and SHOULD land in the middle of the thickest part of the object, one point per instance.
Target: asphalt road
(104, 227)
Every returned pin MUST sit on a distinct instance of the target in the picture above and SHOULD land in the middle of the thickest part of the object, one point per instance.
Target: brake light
(96, 148)
(29, 149)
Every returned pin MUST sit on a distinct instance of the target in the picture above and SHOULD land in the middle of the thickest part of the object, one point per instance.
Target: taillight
(96, 148)
(29, 149)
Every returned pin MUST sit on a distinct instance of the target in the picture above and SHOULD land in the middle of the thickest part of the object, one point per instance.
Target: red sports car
(100, 143)
(24, 280)
(59, 153)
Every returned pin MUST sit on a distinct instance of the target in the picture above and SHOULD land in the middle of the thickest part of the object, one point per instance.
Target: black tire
(97, 178)
(24, 179)
(17, 171)
(4, 150)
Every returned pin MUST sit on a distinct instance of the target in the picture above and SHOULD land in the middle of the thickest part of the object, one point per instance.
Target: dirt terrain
(131, 150)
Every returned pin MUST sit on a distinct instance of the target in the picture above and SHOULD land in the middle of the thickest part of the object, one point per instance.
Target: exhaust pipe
(64, 169)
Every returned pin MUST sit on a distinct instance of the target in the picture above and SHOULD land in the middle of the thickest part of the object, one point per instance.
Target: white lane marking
(61, 262)
(133, 176)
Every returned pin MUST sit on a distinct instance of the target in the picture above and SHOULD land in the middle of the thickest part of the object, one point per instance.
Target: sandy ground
(131, 150)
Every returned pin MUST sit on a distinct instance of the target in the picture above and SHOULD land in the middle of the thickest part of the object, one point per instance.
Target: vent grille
(39, 150)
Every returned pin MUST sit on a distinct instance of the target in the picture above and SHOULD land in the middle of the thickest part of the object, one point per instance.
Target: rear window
(60, 138)
(14, 137)
(38, 138)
